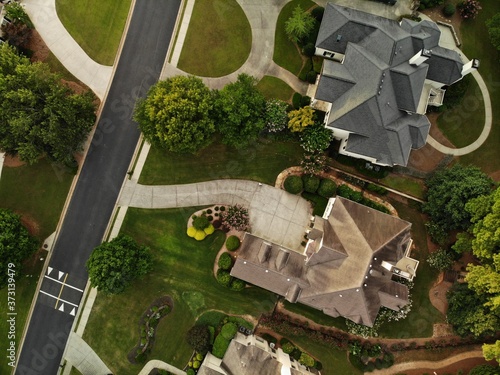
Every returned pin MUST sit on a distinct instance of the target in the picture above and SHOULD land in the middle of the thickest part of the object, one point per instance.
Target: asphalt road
(98, 186)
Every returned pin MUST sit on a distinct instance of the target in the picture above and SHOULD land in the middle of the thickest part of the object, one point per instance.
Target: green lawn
(405, 184)
(261, 161)
(218, 40)
(96, 25)
(275, 88)
(183, 270)
(37, 193)
(476, 43)
(286, 53)
(469, 114)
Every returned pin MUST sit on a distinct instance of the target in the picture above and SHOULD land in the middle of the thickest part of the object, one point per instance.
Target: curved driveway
(97, 188)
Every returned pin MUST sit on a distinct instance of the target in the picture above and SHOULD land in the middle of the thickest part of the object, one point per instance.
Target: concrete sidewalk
(275, 215)
(63, 46)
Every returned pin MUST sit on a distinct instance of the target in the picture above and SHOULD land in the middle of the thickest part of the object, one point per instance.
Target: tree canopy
(299, 25)
(316, 138)
(113, 265)
(198, 337)
(241, 111)
(16, 244)
(448, 190)
(38, 114)
(177, 114)
(493, 25)
(299, 119)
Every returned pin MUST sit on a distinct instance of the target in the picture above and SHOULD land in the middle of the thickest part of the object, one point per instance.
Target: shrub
(198, 337)
(469, 9)
(190, 371)
(440, 260)
(223, 208)
(209, 230)
(210, 217)
(270, 338)
(196, 364)
(199, 356)
(209, 211)
(311, 78)
(293, 184)
(232, 243)
(449, 10)
(276, 115)
(296, 100)
(200, 235)
(317, 13)
(191, 231)
(318, 365)
(237, 285)
(220, 346)
(327, 188)
(313, 162)
(228, 330)
(201, 222)
(236, 217)
(311, 183)
(319, 202)
(224, 278)
(225, 261)
(309, 50)
(217, 223)
(306, 360)
(296, 354)
(305, 101)
(288, 347)
(376, 189)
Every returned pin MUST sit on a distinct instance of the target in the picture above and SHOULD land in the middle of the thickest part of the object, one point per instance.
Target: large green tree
(493, 25)
(448, 190)
(177, 114)
(38, 114)
(241, 111)
(299, 25)
(113, 265)
(16, 244)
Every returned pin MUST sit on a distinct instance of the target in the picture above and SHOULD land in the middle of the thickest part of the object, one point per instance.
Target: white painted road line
(59, 299)
(60, 282)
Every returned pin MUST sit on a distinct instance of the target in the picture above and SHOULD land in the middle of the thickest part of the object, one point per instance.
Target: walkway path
(275, 215)
(81, 355)
(160, 365)
(64, 47)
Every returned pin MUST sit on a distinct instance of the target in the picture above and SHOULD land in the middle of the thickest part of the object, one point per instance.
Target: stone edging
(455, 36)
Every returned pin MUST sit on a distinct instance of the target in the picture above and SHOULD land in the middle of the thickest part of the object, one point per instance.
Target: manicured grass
(96, 25)
(463, 124)
(261, 161)
(183, 270)
(218, 40)
(476, 43)
(36, 192)
(275, 88)
(286, 53)
(423, 314)
(334, 362)
(405, 184)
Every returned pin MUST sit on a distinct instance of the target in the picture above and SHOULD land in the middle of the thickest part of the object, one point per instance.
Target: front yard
(183, 270)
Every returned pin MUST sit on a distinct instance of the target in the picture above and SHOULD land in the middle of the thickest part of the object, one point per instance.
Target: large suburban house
(251, 355)
(346, 268)
(378, 78)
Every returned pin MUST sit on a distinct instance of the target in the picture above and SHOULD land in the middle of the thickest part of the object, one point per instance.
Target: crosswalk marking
(61, 282)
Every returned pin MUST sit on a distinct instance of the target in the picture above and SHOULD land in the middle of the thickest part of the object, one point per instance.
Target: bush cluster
(236, 217)
(232, 243)
(311, 183)
(327, 188)
(225, 261)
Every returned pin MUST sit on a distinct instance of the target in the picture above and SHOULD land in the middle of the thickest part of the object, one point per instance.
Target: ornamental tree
(299, 25)
(276, 115)
(16, 244)
(198, 337)
(469, 9)
(38, 114)
(440, 260)
(315, 138)
(113, 265)
(240, 112)
(236, 217)
(177, 114)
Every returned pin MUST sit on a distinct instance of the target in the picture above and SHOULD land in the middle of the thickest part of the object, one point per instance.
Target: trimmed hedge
(288, 348)
(311, 183)
(225, 261)
(228, 330)
(232, 243)
(319, 202)
(200, 222)
(237, 285)
(449, 10)
(220, 346)
(376, 189)
(293, 184)
(209, 230)
(223, 277)
(191, 232)
(327, 188)
(200, 235)
(296, 100)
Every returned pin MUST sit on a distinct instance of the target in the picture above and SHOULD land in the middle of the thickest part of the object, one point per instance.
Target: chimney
(420, 57)
(470, 66)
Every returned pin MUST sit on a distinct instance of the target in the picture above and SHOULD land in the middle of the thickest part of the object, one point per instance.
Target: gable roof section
(445, 66)
(248, 360)
(410, 81)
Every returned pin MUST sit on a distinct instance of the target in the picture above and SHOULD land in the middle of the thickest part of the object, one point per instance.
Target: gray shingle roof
(375, 86)
(356, 239)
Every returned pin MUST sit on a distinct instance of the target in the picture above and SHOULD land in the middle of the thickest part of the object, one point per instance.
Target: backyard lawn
(96, 25)
(476, 43)
(183, 270)
(262, 161)
(218, 40)
(286, 53)
(275, 88)
(406, 184)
